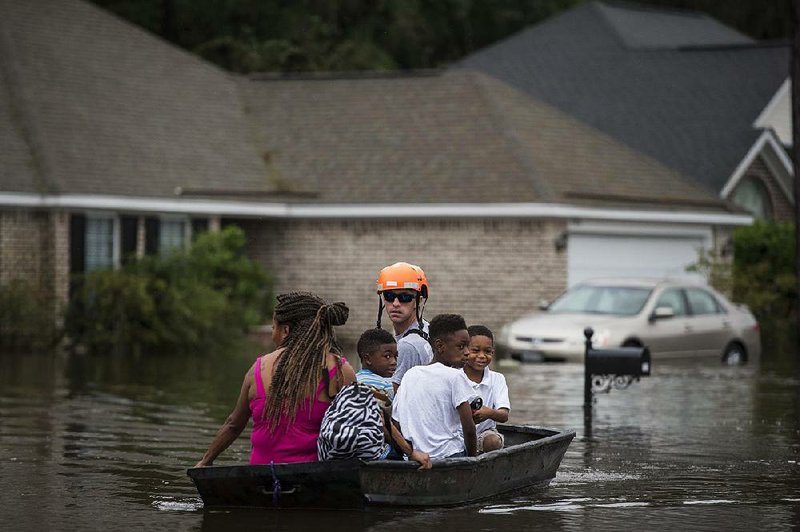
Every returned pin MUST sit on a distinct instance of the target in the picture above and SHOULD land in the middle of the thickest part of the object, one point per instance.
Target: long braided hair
(304, 358)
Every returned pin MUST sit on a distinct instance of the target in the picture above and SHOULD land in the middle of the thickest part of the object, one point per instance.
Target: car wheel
(631, 342)
(734, 355)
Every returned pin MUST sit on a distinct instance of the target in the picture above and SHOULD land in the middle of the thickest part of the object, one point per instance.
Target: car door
(668, 336)
(711, 327)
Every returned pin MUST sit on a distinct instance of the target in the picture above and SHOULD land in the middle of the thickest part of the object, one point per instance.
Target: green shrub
(197, 299)
(764, 269)
(762, 274)
(27, 318)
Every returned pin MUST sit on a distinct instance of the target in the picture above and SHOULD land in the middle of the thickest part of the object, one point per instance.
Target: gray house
(116, 144)
(677, 86)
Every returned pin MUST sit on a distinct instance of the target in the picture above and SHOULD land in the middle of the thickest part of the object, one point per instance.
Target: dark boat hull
(529, 460)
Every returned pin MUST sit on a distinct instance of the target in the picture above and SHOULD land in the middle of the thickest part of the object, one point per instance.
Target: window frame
(720, 309)
(186, 221)
(115, 238)
(681, 293)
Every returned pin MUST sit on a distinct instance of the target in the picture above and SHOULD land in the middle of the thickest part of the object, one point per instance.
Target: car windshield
(616, 300)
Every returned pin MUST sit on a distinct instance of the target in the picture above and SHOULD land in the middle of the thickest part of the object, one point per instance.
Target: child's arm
(483, 413)
(405, 447)
(468, 428)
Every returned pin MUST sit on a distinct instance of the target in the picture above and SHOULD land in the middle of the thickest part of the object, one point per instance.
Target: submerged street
(90, 443)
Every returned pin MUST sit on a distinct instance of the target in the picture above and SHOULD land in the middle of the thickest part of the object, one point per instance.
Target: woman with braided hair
(288, 391)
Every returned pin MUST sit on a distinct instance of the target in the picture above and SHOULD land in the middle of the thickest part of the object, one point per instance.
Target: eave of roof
(75, 202)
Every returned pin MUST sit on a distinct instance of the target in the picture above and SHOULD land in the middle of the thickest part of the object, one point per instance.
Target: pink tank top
(289, 442)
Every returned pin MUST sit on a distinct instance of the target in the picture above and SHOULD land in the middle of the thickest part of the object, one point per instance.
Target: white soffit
(362, 210)
(767, 138)
(777, 115)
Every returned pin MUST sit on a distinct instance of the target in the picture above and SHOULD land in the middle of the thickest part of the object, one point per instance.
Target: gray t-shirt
(412, 350)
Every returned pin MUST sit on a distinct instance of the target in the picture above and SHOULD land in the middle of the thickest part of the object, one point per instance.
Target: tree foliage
(762, 273)
(342, 35)
(196, 299)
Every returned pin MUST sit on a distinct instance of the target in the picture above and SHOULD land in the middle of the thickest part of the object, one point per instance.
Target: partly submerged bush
(196, 299)
(27, 318)
(762, 273)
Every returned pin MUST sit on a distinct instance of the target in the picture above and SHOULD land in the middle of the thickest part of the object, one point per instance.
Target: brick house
(679, 86)
(117, 144)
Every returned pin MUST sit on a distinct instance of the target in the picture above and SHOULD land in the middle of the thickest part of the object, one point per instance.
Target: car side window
(672, 298)
(701, 302)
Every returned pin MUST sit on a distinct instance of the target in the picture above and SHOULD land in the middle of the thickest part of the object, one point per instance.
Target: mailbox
(633, 361)
(606, 367)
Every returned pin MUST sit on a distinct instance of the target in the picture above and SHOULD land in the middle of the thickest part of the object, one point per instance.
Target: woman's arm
(233, 426)
(468, 428)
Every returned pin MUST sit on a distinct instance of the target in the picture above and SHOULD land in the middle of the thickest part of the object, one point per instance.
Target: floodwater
(89, 443)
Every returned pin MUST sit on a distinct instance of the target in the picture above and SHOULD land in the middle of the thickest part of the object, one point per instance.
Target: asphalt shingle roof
(107, 108)
(677, 86)
(455, 137)
(91, 104)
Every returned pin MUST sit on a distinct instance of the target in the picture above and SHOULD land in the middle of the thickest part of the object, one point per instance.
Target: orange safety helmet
(402, 275)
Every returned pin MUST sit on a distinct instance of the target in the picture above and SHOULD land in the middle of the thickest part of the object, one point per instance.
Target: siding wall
(488, 270)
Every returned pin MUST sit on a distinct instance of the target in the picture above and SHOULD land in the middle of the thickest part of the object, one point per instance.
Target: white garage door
(593, 255)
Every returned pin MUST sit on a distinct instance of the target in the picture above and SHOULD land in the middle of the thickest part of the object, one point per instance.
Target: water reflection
(87, 440)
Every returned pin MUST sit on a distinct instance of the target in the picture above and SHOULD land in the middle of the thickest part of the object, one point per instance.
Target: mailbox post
(604, 368)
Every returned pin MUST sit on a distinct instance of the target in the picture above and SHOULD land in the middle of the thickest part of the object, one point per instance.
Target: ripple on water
(711, 501)
(591, 475)
(171, 504)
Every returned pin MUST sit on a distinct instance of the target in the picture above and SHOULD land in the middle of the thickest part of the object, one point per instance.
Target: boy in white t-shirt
(490, 385)
(432, 407)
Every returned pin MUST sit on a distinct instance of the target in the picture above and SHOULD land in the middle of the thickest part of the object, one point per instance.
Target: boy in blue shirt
(377, 350)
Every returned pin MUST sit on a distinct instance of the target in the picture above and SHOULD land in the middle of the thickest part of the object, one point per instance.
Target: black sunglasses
(404, 297)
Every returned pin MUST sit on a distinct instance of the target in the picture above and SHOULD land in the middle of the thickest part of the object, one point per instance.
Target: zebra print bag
(351, 427)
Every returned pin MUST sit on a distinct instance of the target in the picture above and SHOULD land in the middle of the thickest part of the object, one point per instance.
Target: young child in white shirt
(432, 407)
(490, 385)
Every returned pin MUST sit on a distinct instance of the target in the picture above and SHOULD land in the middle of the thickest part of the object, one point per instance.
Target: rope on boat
(276, 485)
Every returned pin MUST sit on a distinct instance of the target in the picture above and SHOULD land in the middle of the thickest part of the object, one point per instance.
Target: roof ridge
(345, 75)
(24, 116)
(500, 122)
(756, 44)
(671, 10)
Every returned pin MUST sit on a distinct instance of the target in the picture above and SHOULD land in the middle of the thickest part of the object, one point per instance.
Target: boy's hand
(482, 414)
(423, 459)
(380, 395)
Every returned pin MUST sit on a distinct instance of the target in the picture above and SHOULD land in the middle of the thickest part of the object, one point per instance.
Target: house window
(172, 235)
(753, 196)
(99, 250)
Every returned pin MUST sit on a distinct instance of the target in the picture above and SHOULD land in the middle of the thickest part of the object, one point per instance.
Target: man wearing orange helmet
(403, 291)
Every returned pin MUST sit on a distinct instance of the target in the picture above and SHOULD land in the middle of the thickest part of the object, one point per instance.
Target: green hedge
(762, 274)
(764, 269)
(197, 299)
(27, 318)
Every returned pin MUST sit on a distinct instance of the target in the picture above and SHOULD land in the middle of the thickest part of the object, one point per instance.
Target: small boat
(529, 460)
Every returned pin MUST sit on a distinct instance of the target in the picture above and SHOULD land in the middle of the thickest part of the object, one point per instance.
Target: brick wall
(491, 271)
(34, 246)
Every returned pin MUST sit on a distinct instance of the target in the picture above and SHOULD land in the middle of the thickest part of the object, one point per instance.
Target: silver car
(673, 318)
